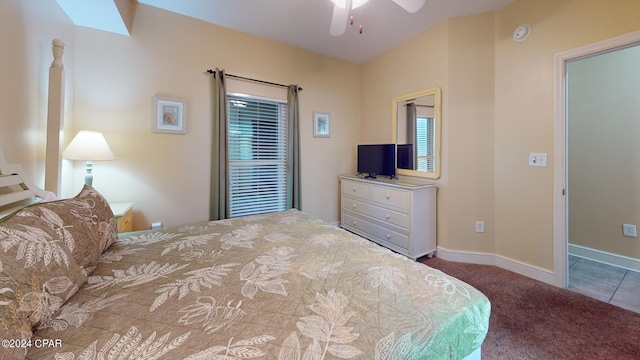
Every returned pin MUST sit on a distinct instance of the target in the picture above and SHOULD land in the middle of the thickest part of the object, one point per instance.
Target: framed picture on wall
(321, 124)
(169, 115)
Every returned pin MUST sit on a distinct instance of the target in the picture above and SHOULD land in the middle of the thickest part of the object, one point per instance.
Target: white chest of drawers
(398, 215)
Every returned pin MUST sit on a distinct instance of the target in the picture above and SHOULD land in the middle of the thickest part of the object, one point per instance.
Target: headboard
(15, 190)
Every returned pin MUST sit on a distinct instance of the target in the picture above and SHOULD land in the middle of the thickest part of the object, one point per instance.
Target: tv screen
(405, 156)
(377, 159)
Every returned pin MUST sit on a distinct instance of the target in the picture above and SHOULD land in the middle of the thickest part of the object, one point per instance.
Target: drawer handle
(126, 222)
(388, 236)
(354, 206)
(354, 189)
(388, 216)
(354, 223)
(388, 196)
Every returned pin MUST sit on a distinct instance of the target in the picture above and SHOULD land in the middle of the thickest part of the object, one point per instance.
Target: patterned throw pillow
(85, 222)
(47, 251)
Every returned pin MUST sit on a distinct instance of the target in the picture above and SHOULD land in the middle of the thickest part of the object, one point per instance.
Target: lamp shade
(88, 145)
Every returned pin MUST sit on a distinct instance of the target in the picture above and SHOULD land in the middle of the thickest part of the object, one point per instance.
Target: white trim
(527, 270)
(560, 242)
(465, 256)
(605, 257)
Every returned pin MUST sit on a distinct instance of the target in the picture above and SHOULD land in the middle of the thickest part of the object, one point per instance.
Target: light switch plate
(538, 159)
(629, 230)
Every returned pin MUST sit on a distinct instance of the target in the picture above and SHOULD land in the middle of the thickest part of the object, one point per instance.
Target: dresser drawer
(377, 231)
(386, 215)
(355, 189)
(389, 196)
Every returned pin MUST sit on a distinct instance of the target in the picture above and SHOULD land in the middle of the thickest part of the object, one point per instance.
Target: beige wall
(111, 79)
(497, 108)
(604, 150)
(167, 176)
(457, 56)
(524, 111)
(27, 29)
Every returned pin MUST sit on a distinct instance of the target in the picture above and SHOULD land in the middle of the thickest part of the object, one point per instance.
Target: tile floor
(608, 283)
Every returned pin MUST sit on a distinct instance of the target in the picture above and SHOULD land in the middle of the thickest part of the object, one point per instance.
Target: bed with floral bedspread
(275, 286)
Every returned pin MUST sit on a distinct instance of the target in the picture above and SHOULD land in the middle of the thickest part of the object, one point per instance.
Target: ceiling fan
(341, 10)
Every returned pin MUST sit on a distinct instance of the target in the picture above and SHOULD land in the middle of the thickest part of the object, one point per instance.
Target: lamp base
(88, 176)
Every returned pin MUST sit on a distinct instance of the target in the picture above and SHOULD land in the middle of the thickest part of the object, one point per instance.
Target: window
(257, 137)
(425, 148)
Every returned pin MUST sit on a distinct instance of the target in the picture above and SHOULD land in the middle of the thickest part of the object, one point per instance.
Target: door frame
(560, 186)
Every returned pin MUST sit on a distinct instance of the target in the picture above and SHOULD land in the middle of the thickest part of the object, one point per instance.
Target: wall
(27, 29)
(604, 150)
(457, 56)
(166, 175)
(524, 112)
(497, 108)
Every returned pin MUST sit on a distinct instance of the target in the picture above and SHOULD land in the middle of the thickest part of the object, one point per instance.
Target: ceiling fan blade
(339, 19)
(411, 6)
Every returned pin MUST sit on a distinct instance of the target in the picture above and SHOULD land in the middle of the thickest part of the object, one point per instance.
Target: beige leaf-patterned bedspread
(276, 286)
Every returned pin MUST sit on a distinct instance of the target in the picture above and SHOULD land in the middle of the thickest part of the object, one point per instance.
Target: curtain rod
(414, 104)
(254, 80)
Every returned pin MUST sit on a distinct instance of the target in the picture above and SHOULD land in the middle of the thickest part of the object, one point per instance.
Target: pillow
(86, 222)
(47, 250)
(37, 275)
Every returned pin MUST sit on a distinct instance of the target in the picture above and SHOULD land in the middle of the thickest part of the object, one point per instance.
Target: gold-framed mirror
(416, 129)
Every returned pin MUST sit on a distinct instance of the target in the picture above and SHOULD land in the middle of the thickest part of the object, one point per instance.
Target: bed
(273, 286)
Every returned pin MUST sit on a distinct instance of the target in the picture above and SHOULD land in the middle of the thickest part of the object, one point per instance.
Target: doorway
(597, 126)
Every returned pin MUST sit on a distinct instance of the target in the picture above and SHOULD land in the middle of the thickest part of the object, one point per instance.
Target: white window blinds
(257, 139)
(426, 147)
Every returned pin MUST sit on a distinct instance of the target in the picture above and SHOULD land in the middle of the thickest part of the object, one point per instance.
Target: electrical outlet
(629, 230)
(479, 226)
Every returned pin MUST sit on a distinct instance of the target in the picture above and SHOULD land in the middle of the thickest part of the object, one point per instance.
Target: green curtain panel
(219, 202)
(294, 193)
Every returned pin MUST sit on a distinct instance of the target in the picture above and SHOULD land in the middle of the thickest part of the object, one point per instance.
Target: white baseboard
(605, 257)
(527, 270)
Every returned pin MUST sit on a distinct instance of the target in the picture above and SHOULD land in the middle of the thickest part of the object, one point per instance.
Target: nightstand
(123, 213)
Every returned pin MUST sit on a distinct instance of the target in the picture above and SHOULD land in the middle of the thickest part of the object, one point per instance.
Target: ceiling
(305, 23)
(301, 23)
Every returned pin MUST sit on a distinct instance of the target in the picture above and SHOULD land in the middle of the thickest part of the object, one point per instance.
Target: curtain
(412, 133)
(219, 201)
(294, 192)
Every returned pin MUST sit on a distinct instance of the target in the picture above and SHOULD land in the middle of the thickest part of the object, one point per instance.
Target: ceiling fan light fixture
(341, 10)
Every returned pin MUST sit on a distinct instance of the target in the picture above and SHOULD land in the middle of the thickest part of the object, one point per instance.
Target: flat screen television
(405, 156)
(377, 159)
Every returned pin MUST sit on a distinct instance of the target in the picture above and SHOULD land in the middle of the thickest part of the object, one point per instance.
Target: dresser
(397, 214)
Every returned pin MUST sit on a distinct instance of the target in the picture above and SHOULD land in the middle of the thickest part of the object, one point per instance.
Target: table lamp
(88, 146)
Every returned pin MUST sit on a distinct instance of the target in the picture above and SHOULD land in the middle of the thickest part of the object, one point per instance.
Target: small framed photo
(169, 115)
(321, 124)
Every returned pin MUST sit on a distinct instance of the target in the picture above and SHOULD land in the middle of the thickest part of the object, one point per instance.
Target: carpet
(533, 320)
